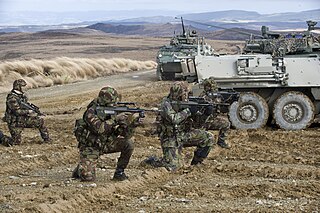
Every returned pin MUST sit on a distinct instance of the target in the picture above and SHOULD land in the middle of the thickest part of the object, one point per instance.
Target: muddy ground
(266, 170)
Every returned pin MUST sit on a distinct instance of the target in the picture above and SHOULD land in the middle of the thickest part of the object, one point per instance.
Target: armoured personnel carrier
(278, 77)
(169, 57)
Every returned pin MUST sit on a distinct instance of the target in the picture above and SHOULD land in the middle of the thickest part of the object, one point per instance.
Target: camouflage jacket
(201, 120)
(15, 113)
(95, 130)
(173, 120)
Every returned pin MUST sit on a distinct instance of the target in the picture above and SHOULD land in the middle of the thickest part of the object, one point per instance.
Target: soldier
(99, 133)
(215, 121)
(176, 132)
(18, 116)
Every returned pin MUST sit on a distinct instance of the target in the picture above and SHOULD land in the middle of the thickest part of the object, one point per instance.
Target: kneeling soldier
(20, 114)
(101, 133)
(176, 129)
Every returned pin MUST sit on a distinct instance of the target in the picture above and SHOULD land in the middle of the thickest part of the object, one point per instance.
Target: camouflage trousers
(172, 146)
(27, 122)
(220, 123)
(86, 169)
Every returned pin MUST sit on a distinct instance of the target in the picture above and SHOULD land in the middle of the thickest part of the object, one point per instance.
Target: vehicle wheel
(250, 112)
(293, 111)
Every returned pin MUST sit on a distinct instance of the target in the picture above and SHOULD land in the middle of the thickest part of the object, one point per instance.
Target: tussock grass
(64, 70)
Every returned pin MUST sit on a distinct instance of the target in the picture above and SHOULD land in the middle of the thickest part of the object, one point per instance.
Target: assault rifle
(122, 107)
(195, 106)
(32, 107)
(221, 99)
(205, 107)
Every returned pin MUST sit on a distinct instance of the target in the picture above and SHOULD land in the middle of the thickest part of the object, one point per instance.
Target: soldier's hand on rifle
(122, 119)
(194, 110)
(208, 111)
(137, 119)
(32, 113)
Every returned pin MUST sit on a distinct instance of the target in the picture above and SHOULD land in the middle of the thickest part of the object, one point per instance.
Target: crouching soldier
(215, 121)
(21, 114)
(176, 132)
(100, 132)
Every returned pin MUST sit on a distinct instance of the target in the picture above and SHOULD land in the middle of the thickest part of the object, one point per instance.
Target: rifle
(201, 108)
(114, 110)
(32, 107)
(226, 98)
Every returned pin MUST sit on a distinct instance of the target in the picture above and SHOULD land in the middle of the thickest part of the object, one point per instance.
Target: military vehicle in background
(169, 56)
(278, 77)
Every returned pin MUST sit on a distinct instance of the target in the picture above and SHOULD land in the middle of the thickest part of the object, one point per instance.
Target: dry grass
(63, 70)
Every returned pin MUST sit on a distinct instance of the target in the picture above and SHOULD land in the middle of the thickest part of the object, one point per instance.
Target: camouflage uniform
(176, 132)
(18, 118)
(99, 134)
(215, 121)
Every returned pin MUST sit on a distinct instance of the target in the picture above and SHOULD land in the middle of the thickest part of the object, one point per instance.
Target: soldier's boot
(119, 175)
(44, 134)
(221, 141)
(200, 154)
(75, 173)
(46, 138)
(1, 137)
(152, 161)
(223, 144)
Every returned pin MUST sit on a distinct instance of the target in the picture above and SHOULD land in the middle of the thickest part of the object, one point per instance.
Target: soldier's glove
(194, 110)
(136, 119)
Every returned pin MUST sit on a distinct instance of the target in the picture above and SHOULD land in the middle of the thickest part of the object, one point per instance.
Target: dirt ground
(266, 170)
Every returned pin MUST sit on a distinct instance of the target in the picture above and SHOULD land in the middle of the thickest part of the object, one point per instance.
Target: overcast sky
(192, 6)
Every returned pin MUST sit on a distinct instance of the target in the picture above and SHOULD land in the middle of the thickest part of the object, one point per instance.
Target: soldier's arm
(15, 107)
(98, 125)
(173, 116)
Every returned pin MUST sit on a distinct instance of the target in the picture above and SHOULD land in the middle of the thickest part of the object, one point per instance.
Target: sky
(189, 6)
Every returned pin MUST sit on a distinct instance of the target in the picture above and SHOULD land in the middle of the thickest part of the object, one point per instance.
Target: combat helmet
(179, 91)
(108, 95)
(18, 84)
(209, 84)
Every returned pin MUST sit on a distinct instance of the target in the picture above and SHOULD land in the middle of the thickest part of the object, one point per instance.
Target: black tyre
(250, 112)
(293, 111)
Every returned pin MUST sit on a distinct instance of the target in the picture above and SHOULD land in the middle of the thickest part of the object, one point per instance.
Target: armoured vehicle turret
(183, 45)
(278, 77)
(279, 45)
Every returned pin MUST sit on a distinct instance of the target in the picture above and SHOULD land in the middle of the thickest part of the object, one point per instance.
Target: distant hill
(168, 30)
(249, 16)
(160, 30)
(216, 25)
